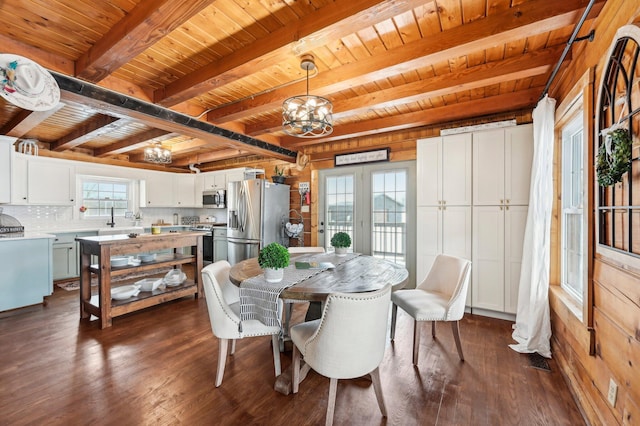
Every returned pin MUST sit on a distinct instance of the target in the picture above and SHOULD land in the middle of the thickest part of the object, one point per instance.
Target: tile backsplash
(50, 218)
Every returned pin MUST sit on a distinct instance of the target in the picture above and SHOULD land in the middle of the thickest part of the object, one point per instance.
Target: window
(572, 208)
(99, 195)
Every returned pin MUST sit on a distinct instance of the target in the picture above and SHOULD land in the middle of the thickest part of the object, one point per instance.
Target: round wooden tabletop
(360, 274)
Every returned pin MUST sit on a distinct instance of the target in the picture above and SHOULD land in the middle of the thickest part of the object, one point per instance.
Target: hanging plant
(614, 157)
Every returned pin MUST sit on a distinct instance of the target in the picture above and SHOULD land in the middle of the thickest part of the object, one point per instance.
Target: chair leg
(331, 401)
(394, 314)
(295, 367)
(377, 387)
(233, 347)
(223, 345)
(275, 343)
(456, 335)
(416, 342)
(433, 329)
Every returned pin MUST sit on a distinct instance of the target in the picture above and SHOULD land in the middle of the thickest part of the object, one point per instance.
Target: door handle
(321, 231)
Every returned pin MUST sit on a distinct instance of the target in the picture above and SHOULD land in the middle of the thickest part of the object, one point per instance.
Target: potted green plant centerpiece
(279, 175)
(273, 258)
(341, 241)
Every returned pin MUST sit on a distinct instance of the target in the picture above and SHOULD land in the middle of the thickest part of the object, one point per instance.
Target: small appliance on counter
(10, 227)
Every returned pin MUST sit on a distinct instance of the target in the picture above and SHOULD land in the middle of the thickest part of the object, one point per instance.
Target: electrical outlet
(613, 392)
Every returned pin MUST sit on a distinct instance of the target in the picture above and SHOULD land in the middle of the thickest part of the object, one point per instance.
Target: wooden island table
(104, 247)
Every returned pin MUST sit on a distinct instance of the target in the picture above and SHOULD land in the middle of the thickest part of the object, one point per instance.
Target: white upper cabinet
(444, 170)
(156, 190)
(184, 190)
(49, 181)
(502, 166)
(215, 180)
(6, 150)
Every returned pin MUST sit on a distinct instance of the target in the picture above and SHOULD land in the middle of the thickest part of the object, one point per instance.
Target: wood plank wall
(615, 284)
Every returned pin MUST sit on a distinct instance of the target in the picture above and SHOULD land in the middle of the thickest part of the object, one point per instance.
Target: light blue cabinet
(25, 272)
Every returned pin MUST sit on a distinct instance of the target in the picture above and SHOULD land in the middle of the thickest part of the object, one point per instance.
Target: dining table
(355, 273)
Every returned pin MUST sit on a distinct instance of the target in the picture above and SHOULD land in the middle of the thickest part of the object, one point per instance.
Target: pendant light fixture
(307, 116)
(157, 154)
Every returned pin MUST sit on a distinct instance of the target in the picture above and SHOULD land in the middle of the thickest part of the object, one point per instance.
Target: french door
(374, 204)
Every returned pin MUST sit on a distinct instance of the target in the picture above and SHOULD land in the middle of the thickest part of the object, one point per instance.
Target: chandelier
(307, 116)
(157, 154)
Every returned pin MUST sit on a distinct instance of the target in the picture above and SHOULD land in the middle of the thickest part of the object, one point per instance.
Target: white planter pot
(273, 275)
(341, 251)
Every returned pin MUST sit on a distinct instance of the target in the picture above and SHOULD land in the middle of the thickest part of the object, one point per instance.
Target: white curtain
(532, 329)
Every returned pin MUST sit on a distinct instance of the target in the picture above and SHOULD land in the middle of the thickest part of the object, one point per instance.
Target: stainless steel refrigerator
(255, 209)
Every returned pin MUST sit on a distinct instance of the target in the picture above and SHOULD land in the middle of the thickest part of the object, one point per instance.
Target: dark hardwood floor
(158, 367)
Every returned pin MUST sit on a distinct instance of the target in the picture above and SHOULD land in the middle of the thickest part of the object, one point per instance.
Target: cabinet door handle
(506, 201)
(500, 207)
(501, 201)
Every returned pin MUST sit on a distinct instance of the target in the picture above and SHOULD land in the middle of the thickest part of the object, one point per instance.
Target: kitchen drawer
(219, 232)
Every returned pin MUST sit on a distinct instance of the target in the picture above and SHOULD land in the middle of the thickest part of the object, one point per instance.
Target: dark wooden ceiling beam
(147, 23)
(25, 120)
(459, 111)
(208, 157)
(139, 141)
(517, 23)
(119, 105)
(510, 69)
(91, 129)
(331, 22)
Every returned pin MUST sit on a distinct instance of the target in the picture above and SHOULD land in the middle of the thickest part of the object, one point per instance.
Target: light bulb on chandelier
(157, 154)
(307, 116)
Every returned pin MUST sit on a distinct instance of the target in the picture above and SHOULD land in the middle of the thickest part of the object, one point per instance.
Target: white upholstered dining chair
(348, 341)
(223, 304)
(440, 297)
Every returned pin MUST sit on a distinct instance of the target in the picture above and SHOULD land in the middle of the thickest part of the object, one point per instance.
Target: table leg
(284, 382)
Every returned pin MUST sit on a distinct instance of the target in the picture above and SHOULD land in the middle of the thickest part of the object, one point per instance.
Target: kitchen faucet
(113, 222)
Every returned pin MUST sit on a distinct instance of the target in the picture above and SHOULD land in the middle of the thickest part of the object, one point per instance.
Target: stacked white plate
(124, 292)
(174, 278)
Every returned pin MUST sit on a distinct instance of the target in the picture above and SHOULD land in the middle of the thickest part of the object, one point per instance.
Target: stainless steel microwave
(215, 199)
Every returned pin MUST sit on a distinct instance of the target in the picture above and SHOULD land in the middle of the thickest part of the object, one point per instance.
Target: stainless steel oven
(207, 241)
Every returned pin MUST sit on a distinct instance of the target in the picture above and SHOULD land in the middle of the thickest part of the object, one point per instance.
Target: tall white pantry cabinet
(472, 198)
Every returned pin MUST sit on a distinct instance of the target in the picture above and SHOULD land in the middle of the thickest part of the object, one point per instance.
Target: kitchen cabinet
(26, 271)
(498, 234)
(442, 230)
(501, 175)
(156, 190)
(443, 199)
(65, 254)
(235, 175)
(220, 244)
(502, 166)
(41, 180)
(104, 247)
(184, 191)
(444, 170)
(6, 152)
(49, 182)
(214, 181)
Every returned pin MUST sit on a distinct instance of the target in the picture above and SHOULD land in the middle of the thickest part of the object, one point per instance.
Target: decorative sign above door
(374, 156)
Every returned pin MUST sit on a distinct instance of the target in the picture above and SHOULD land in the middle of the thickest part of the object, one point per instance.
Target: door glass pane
(388, 216)
(339, 212)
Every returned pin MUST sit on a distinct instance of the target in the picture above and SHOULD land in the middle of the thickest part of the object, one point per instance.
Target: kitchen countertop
(28, 236)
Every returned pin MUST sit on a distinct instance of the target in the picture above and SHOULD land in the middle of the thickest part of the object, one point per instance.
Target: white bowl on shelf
(148, 257)
(149, 284)
(174, 278)
(119, 261)
(124, 292)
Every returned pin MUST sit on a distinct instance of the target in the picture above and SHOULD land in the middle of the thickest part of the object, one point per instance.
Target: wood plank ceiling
(227, 65)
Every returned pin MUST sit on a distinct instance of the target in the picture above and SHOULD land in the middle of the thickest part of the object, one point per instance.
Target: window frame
(130, 198)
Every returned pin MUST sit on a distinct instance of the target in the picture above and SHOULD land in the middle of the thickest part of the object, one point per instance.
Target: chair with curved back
(348, 341)
(440, 297)
(223, 304)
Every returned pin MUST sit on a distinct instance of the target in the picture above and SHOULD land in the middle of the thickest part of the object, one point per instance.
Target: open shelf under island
(105, 247)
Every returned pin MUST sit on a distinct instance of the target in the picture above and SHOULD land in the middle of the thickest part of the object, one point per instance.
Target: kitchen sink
(121, 230)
